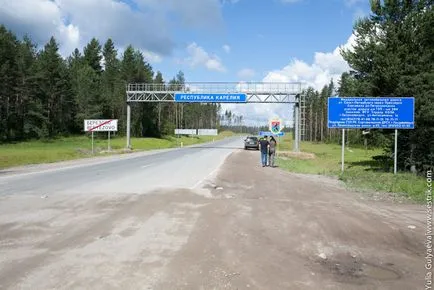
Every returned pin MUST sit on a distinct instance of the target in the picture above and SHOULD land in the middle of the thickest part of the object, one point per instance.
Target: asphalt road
(178, 168)
(208, 217)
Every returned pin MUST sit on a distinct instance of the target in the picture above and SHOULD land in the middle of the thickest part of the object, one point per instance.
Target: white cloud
(246, 74)
(75, 22)
(351, 3)
(40, 20)
(151, 57)
(199, 57)
(227, 48)
(326, 65)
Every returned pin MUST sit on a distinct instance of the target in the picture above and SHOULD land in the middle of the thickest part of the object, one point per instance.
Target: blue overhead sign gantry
(373, 113)
(210, 98)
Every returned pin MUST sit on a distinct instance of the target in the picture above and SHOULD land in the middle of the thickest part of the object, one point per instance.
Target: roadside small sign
(207, 132)
(371, 113)
(185, 132)
(101, 125)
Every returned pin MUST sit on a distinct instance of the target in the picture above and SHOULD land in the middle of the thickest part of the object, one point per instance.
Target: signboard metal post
(92, 142)
(395, 157)
(128, 126)
(109, 147)
(343, 150)
(296, 129)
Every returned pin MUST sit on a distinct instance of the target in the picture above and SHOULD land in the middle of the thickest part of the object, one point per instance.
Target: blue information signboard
(267, 133)
(210, 98)
(374, 113)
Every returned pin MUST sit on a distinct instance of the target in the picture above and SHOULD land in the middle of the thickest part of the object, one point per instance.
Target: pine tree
(8, 83)
(111, 82)
(93, 56)
(159, 81)
(30, 113)
(53, 90)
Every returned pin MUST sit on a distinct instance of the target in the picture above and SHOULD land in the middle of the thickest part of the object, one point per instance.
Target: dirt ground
(246, 228)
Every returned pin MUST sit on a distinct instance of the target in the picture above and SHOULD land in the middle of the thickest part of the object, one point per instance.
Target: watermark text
(429, 233)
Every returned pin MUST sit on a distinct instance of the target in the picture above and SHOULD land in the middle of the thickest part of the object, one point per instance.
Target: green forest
(43, 95)
(393, 56)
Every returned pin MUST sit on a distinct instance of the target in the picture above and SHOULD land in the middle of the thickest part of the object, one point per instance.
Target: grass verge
(362, 173)
(68, 148)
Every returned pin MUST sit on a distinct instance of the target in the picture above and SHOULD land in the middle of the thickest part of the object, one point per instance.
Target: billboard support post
(92, 142)
(109, 147)
(296, 126)
(128, 126)
(343, 150)
(395, 157)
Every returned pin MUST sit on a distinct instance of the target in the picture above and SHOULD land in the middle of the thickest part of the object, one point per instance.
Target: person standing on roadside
(272, 151)
(263, 144)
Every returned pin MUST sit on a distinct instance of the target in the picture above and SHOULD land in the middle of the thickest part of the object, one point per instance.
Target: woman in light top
(272, 151)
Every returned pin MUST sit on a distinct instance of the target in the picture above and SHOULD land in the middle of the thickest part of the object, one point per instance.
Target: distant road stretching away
(174, 168)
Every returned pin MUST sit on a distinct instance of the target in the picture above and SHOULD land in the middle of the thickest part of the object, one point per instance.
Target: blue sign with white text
(373, 113)
(267, 133)
(210, 98)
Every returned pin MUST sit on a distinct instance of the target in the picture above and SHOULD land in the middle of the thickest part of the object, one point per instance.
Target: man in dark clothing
(263, 143)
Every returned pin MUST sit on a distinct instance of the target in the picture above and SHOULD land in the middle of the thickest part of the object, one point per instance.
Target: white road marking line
(197, 184)
(208, 177)
(145, 166)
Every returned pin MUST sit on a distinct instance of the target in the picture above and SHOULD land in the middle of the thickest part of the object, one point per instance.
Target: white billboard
(100, 125)
(207, 132)
(185, 132)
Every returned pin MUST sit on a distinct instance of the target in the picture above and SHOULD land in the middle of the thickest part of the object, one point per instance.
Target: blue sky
(264, 35)
(209, 40)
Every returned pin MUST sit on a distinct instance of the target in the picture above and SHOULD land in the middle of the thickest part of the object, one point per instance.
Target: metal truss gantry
(256, 92)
